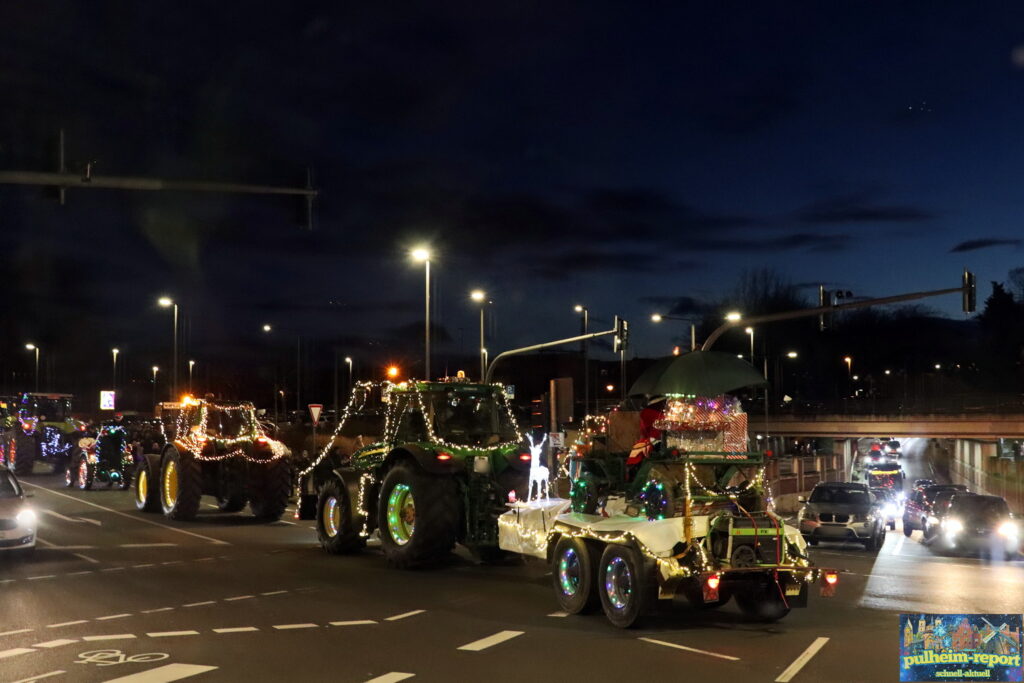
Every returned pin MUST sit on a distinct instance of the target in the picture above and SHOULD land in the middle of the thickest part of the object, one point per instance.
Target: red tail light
(444, 456)
(711, 588)
(525, 457)
(831, 578)
(713, 582)
(262, 439)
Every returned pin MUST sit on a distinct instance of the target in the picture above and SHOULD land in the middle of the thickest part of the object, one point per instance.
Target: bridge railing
(939, 404)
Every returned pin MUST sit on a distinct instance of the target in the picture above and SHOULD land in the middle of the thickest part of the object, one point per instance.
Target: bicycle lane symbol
(115, 657)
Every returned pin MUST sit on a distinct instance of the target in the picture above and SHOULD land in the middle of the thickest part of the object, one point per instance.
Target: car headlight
(26, 517)
(889, 510)
(952, 526)
(1008, 529)
(901, 496)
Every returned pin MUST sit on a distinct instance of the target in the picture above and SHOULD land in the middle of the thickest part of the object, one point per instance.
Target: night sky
(551, 153)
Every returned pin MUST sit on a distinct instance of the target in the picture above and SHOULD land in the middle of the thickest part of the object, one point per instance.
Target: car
(918, 510)
(842, 511)
(921, 483)
(979, 523)
(888, 476)
(17, 518)
(892, 504)
(940, 507)
(894, 448)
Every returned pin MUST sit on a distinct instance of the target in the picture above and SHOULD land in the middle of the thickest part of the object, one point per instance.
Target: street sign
(107, 400)
(314, 411)
(557, 439)
(510, 391)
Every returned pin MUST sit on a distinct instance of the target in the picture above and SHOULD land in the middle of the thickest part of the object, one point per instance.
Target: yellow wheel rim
(142, 487)
(170, 484)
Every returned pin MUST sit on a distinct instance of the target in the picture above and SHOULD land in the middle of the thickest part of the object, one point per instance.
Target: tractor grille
(838, 519)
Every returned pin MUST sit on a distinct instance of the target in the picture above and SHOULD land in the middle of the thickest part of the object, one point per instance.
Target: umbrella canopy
(698, 373)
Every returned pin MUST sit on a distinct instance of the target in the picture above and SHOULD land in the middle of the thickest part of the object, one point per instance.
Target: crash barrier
(975, 465)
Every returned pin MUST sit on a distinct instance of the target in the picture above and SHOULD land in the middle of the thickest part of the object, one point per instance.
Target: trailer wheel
(334, 520)
(574, 574)
(272, 483)
(147, 484)
(84, 473)
(419, 515)
(762, 602)
(181, 485)
(625, 585)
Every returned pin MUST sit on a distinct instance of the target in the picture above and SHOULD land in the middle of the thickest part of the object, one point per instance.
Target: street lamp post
(33, 347)
(348, 361)
(167, 302)
(422, 255)
(750, 331)
(658, 317)
(156, 369)
(585, 350)
(268, 328)
(191, 366)
(113, 376)
(480, 297)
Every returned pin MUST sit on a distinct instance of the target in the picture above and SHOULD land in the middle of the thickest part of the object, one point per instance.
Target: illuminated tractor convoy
(106, 458)
(43, 430)
(216, 448)
(426, 465)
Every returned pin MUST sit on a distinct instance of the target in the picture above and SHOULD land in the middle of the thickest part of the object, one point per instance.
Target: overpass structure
(984, 426)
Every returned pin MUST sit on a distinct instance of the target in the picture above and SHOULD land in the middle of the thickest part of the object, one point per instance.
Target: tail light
(829, 581)
(444, 457)
(711, 584)
(262, 439)
(525, 457)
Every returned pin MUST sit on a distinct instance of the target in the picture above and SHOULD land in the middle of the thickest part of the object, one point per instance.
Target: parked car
(17, 519)
(892, 505)
(980, 523)
(842, 511)
(918, 510)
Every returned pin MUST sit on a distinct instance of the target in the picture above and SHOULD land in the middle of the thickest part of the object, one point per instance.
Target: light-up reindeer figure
(538, 473)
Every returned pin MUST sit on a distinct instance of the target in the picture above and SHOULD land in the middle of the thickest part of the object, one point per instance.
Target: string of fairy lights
(196, 438)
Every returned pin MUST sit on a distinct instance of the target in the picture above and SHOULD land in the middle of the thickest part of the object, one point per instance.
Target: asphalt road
(226, 599)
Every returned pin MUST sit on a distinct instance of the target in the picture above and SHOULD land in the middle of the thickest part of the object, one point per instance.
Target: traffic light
(621, 335)
(970, 292)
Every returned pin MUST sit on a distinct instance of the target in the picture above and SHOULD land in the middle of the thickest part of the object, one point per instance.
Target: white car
(17, 518)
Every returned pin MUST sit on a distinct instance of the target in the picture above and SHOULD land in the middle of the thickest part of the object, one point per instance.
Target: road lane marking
(114, 616)
(158, 609)
(236, 629)
(357, 622)
(405, 614)
(173, 562)
(14, 652)
(20, 630)
(490, 641)
(56, 643)
(68, 623)
(899, 545)
(47, 576)
(287, 627)
(799, 663)
(113, 569)
(392, 677)
(690, 649)
(148, 545)
(205, 559)
(111, 636)
(172, 634)
(33, 679)
(199, 604)
(559, 614)
(87, 571)
(164, 674)
(137, 518)
(143, 566)
(274, 593)
(239, 597)
(86, 558)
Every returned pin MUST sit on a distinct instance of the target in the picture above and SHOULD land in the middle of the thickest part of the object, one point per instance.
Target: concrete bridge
(984, 426)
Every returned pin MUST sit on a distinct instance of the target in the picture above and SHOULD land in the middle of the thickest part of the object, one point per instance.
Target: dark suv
(979, 523)
(918, 513)
(842, 511)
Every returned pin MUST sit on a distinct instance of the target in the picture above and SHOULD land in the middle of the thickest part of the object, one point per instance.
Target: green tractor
(45, 431)
(105, 456)
(445, 459)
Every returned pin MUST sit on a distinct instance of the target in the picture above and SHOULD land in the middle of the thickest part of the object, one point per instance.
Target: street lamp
(156, 369)
(585, 349)
(167, 302)
(113, 384)
(734, 316)
(658, 317)
(348, 362)
(392, 371)
(422, 255)
(750, 331)
(33, 347)
(480, 297)
(191, 365)
(794, 354)
(849, 364)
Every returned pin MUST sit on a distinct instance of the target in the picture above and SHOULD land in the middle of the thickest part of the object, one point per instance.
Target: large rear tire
(271, 485)
(84, 473)
(335, 521)
(26, 450)
(147, 484)
(233, 502)
(625, 585)
(181, 485)
(574, 575)
(418, 516)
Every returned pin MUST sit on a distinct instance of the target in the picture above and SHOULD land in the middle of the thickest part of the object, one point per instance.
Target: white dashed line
(358, 622)
(164, 674)
(148, 545)
(392, 677)
(205, 559)
(47, 576)
(559, 614)
(113, 569)
(199, 604)
(284, 521)
(111, 636)
(172, 634)
(239, 597)
(236, 629)
(405, 614)
(158, 609)
(799, 663)
(114, 616)
(690, 649)
(274, 593)
(68, 623)
(56, 643)
(172, 562)
(4, 654)
(899, 545)
(87, 571)
(33, 679)
(20, 630)
(86, 558)
(288, 627)
(490, 641)
(142, 566)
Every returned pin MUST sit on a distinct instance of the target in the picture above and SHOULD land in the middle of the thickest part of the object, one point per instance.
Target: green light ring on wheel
(618, 583)
(332, 516)
(401, 514)
(569, 572)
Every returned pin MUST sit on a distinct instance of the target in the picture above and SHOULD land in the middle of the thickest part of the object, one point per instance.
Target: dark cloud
(984, 243)
(793, 242)
(860, 208)
(677, 305)
(560, 265)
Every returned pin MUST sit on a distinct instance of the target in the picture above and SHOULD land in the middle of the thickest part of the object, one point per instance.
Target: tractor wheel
(181, 485)
(147, 484)
(574, 573)
(271, 484)
(84, 473)
(233, 502)
(26, 450)
(762, 602)
(625, 584)
(70, 477)
(335, 527)
(419, 516)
